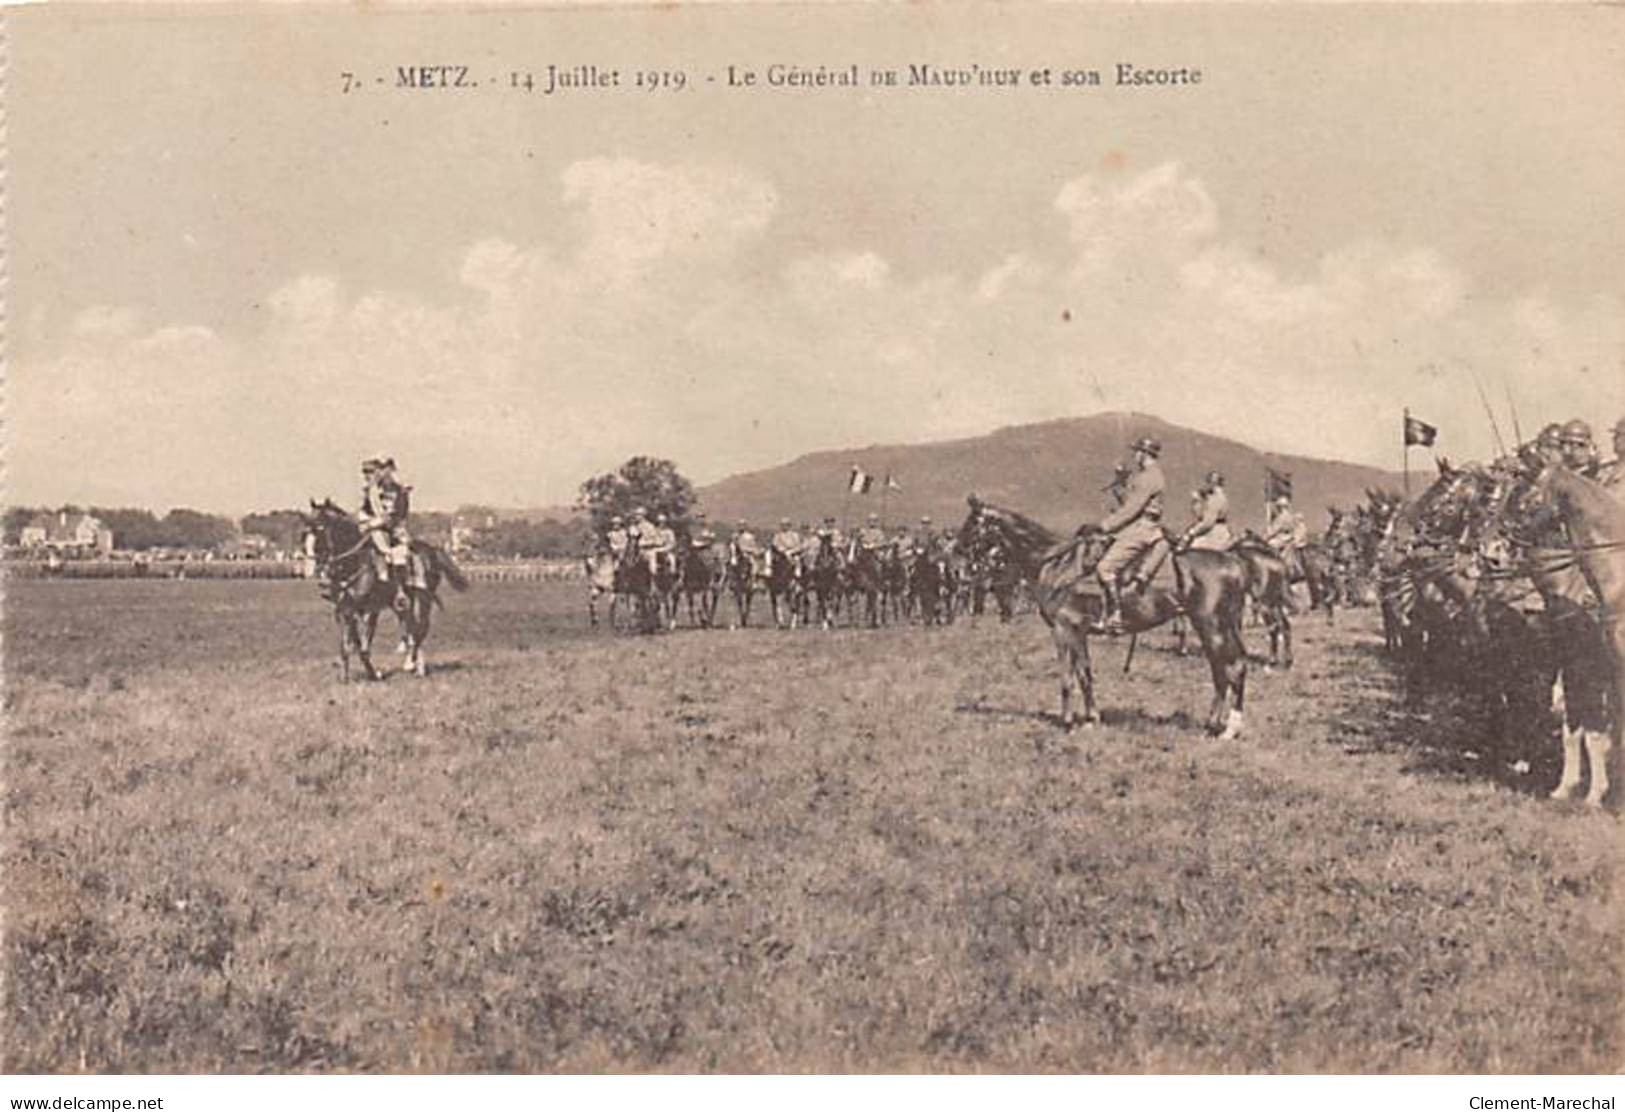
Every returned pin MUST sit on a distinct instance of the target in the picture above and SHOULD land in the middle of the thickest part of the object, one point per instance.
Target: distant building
(248, 546)
(68, 533)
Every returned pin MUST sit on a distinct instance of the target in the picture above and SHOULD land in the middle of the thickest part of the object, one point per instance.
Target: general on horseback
(1209, 587)
(371, 562)
(1135, 529)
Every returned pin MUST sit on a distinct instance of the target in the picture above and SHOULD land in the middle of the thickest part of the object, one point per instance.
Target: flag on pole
(861, 481)
(892, 483)
(1419, 433)
(1277, 484)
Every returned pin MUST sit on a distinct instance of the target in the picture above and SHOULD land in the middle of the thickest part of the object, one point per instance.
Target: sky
(229, 281)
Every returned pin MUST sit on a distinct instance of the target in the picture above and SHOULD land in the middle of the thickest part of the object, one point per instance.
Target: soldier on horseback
(385, 504)
(872, 538)
(830, 533)
(617, 538)
(1211, 529)
(787, 542)
(1578, 449)
(1612, 473)
(702, 535)
(925, 541)
(1288, 535)
(744, 543)
(1135, 528)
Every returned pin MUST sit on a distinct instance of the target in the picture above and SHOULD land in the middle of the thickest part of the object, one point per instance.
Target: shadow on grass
(1131, 719)
(1444, 731)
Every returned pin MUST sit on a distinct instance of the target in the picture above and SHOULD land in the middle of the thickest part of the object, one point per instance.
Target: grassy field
(755, 850)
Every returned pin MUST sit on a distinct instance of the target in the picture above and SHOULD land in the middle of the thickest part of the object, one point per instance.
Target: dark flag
(1419, 433)
(861, 481)
(1277, 484)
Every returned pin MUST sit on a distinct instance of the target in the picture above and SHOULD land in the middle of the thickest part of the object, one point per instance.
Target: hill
(1053, 471)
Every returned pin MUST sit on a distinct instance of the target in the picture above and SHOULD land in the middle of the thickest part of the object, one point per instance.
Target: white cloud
(656, 329)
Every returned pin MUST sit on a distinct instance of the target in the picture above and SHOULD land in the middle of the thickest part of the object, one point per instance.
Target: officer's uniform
(617, 539)
(385, 504)
(787, 541)
(647, 535)
(1136, 525)
(1288, 533)
(703, 536)
(872, 538)
(745, 541)
(1210, 532)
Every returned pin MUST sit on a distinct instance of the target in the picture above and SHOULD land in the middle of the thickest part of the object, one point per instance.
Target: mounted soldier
(1612, 473)
(1288, 534)
(787, 542)
(1135, 528)
(616, 538)
(871, 538)
(1579, 449)
(925, 540)
(385, 504)
(663, 553)
(1211, 529)
(701, 535)
(830, 533)
(645, 536)
(744, 544)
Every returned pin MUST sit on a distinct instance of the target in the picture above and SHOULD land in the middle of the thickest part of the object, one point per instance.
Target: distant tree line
(137, 530)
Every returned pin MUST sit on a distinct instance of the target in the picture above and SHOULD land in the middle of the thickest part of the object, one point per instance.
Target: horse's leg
(342, 621)
(420, 634)
(369, 628)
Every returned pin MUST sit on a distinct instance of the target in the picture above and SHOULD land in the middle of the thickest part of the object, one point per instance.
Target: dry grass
(758, 851)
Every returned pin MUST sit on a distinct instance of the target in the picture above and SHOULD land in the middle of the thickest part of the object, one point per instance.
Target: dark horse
(824, 580)
(868, 581)
(1210, 589)
(741, 576)
(359, 589)
(702, 574)
(1267, 586)
(932, 585)
(784, 587)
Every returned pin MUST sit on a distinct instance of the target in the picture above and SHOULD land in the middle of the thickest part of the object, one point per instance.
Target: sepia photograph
(759, 539)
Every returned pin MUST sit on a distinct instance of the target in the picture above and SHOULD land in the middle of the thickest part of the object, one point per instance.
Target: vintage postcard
(779, 538)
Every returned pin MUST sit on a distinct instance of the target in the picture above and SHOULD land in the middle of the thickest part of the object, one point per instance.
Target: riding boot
(397, 577)
(1112, 623)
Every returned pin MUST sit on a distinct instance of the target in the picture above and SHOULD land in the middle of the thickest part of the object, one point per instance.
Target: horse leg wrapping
(1571, 764)
(1599, 748)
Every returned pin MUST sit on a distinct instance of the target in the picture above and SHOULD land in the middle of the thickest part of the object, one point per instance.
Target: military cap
(1215, 478)
(1149, 445)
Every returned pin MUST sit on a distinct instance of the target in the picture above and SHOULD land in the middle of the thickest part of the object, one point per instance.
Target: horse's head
(327, 532)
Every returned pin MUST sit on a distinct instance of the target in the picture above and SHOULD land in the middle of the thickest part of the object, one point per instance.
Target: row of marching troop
(647, 570)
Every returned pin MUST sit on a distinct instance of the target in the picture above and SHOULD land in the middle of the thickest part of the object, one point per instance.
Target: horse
(1595, 523)
(741, 573)
(1210, 588)
(783, 587)
(350, 578)
(823, 580)
(897, 594)
(701, 577)
(1269, 588)
(932, 586)
(868, 581)
(603, 578)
